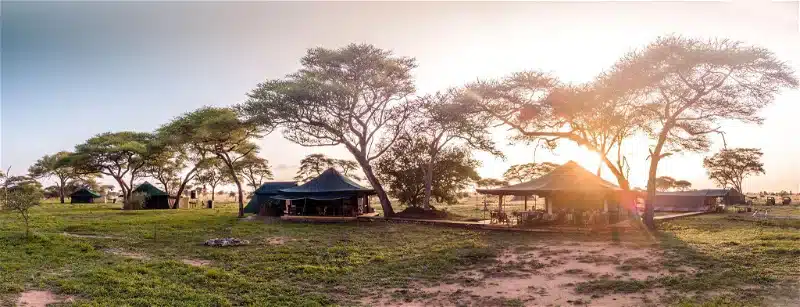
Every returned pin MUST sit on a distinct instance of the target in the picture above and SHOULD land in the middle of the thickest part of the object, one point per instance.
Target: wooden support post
(500, 202)
(526, 202)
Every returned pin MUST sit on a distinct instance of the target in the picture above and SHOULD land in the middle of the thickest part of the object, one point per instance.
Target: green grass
(337, 264)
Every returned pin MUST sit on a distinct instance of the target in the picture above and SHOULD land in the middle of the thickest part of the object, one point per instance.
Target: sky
(72, 70)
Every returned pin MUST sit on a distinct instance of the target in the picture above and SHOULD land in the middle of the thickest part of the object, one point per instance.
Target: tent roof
(702, 193)
(330, 181)
(271, 188)
(569, 177)
(85, 192)
(149, 189)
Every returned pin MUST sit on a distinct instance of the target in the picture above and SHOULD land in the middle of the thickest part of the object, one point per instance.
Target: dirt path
(542, 275)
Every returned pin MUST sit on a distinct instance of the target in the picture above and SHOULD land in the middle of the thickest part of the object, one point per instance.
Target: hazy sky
(72, 70)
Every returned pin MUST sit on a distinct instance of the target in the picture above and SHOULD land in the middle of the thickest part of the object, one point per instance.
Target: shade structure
(264, 195)
(156, 198)
(83, 196)
(569, 177)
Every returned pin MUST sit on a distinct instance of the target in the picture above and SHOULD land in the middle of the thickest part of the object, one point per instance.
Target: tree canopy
(214, 131)
(314, 164)
(55, 165)
(442, 120)
(254, 169)
(729, 167)
(121, 155)
(686, 87)
(403, 171)
(355, 96)
(528, 171)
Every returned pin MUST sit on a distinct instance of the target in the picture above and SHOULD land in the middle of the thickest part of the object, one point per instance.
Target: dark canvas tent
(699, 200)
(83, 196)
(156, 198)
(330, 193)
(263, 199)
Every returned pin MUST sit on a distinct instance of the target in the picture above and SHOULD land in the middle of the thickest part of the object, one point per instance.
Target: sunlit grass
(320, 264)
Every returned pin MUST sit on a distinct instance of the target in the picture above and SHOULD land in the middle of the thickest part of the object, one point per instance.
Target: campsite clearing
(714, 258)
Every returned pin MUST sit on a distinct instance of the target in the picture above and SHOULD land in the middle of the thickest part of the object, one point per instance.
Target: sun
(586, 158)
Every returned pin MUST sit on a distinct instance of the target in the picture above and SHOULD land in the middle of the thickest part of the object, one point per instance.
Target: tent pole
(526, 202)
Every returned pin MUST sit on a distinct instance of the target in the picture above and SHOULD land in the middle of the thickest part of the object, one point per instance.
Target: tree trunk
(376, 185)
(655, 157)
(426, 202)
(61, 192)
(649, 210)
(212, 193)
(241, 202)
(189, 176)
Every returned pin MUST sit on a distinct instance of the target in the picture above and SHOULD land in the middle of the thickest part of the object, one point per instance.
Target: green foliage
(314, 164)
(254, 169)
(216, 131)
(56, 165)
(19, 195)
(490, 183)
(729, 167)
(121, 155)
(528, 171)
(354, 96)
(403, 170)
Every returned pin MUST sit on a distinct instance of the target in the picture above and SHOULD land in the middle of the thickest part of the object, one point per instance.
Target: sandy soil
(541, 275)
(126, 254)
(196, 262)
(87, 236)
(40, 298)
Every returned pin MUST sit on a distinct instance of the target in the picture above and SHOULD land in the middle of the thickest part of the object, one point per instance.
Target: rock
(223, 242)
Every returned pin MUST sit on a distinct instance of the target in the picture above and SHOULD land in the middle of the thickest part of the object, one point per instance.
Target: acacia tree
(54, 166)
(665, 183)
(120, 155)
(528, 171)
(490, 183)
(19, 194)
(729, 167)
(542, 110)
(354, 96)
(686, 87)
(254, 169)
(404, 169)
(682, 185)
(213, 174)
(442, 121)
(179, 157)
(165, 166)
(213, 131)
(314, 164)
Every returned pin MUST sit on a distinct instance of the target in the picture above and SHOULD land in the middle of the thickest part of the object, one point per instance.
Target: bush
(136, 201)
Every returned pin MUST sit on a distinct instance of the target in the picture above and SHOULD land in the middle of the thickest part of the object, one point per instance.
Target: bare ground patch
(545, 275)
(196, 262)
(40, 298)
(126, 254)
(87, 236)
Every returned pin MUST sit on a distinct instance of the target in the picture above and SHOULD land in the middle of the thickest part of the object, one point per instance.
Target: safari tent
(83, 196)
(263, 203)
(696, 201)
(156, 198)
(330, 194)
